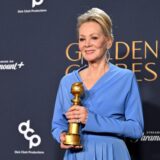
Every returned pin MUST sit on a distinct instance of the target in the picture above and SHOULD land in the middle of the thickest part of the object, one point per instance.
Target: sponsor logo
(36, 3)
(34, 140)
(151, 136)
(29, 134)
(33, 5)
(10, 65)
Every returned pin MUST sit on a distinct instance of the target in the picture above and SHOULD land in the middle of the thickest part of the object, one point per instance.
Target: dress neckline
(97, 82)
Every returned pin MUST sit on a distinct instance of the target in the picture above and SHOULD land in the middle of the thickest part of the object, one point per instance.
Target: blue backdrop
(38, 46)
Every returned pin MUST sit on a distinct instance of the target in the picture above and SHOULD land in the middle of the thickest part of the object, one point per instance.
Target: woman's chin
(91, 61)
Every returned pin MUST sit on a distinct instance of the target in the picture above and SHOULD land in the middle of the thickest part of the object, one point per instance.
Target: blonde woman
(111, 107)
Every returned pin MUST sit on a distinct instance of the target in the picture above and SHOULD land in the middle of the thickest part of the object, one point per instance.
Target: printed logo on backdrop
(142, 57)
(35, 7)
(11, 65)
(29, 134)
(36, 3)
(151, 136)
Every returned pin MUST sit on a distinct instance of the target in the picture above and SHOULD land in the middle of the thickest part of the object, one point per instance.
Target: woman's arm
(131, 127)
(59, 122)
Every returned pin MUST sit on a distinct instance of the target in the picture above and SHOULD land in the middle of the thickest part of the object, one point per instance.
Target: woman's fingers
(62, 136)
(77, 147)
(74, 107)
(62, 139)
(64, 146)
(77, 114)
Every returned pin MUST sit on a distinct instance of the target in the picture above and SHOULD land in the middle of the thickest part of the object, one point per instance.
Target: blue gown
(114, 112)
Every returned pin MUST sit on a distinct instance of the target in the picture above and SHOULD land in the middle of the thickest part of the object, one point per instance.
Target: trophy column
(72, 136)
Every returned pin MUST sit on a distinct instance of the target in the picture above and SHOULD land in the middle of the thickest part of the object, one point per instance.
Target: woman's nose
(87, 43)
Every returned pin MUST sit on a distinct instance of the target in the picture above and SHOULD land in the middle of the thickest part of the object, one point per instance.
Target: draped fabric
(114, 107)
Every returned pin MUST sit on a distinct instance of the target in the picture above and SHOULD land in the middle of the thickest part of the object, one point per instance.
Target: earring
(81, 59)
(107, 56)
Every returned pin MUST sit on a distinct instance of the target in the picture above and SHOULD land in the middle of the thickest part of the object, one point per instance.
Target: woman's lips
(89, 51)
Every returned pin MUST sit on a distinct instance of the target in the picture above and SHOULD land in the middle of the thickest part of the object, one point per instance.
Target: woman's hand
(62, 139)
(77, 114)
(64, 146)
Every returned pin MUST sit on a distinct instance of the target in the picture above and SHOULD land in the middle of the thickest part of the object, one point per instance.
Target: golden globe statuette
(72, 136)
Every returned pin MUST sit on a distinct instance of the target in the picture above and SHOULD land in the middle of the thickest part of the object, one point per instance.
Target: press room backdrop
(38, 46)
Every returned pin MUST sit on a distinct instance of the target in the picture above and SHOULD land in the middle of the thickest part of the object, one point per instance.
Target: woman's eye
(81, 39)
(94, 38)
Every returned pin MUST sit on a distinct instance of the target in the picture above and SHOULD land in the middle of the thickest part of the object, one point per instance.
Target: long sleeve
(131, 126)
(59, 123)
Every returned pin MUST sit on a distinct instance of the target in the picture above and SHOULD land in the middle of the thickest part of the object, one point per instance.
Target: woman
(111, 107)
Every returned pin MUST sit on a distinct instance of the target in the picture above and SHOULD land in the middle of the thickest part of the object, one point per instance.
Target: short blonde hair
(99, 16)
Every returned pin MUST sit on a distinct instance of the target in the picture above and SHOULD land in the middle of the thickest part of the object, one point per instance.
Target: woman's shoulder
(74, 74)
(69, 77)
(121, 70)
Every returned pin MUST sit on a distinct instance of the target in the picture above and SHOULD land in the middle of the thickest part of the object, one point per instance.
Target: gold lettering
(68, 54)
(154, 74)
(134, 49)
(71, 67)
(155, 53)
(122, 65)
(135, 70)
(117, 50)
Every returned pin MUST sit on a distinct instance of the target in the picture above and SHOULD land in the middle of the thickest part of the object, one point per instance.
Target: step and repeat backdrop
(38, 45)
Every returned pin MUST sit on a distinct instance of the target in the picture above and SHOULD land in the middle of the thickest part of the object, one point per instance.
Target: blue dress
(114, 112)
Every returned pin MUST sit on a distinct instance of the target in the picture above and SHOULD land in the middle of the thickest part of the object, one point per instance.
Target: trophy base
(72, 139)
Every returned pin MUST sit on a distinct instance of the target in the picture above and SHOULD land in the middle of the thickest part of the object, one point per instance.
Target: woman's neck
(98, 68)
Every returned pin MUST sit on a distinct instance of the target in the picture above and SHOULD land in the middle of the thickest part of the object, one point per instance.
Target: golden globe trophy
(72, 136)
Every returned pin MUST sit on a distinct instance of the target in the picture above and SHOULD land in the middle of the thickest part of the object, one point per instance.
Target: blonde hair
(99, 16)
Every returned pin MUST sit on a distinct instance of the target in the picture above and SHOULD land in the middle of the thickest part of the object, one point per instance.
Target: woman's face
(92, 42)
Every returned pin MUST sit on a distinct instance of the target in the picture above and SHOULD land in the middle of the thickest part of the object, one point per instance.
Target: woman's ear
(109, 43)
